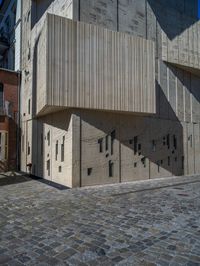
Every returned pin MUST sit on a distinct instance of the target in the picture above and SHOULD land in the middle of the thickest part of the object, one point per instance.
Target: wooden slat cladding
(92, 67)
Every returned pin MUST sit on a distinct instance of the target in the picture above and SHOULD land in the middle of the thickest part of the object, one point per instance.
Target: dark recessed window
(174, 142)
(168, 141)
(56, 157)
(111, 168)
(29, 106)
(112, 140)
(100, 142)
(89, 171)
(48, 138)
(168, 161)
(107, 139)
(135, 140)
(63, 150)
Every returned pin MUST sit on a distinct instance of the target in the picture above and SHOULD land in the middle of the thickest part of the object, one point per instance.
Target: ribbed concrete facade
(86, 66)
(110, 90)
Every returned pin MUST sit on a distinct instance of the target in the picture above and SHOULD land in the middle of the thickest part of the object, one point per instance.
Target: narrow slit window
(112, 141)
(164, 141)
(111, 168)
(63, 150)
(89, 171)
(48, 167)
(175, 142)
(143, 160)
(56, 157)
(48, 138)
(29, 150)
(153, 145)
(168, 161)
(158, 164)
(100, 142)
(135, 140)
(29, 106)
(168, 141)
(107, 139)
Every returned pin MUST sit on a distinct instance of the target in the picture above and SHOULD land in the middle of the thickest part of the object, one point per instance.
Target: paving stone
(122, 224)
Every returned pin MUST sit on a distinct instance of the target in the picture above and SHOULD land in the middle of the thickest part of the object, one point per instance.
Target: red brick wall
(10, 81)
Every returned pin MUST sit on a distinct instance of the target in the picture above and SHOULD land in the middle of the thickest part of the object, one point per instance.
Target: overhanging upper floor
(81, 65)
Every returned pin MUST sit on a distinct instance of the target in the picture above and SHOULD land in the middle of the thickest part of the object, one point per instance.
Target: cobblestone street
(153, 222)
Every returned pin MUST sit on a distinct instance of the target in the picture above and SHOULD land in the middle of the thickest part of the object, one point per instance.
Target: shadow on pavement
(6, 180)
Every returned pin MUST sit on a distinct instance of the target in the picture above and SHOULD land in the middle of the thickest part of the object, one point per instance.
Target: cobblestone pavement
(148, 223)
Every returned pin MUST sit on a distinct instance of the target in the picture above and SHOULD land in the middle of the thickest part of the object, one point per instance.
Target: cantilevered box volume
(82, 65)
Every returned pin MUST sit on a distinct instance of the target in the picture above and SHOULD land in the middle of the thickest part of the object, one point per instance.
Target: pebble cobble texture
(150, 223)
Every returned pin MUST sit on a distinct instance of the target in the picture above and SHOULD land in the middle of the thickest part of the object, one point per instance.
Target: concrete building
(110, 90)
(9, 131)
(10, 34)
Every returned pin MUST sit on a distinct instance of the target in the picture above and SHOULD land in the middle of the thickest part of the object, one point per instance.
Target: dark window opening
(139, 147)
(48, 167)
(29, 106)
(29, 149)
(63, 150)
(158, 167)
(135, 165)
(130, 141)
(56, 150)
(153, 145)
(112, 140)
(143, 160)
(107, 139)
(89, 171)
(60, 169)
(100, 141)
(111, 168)
(48, 138)
(174, 142)
(164, 141)
(168, 141)
(168, 161)
(135, 140)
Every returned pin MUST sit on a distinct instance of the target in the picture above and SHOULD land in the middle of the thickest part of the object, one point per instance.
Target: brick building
(9, 132)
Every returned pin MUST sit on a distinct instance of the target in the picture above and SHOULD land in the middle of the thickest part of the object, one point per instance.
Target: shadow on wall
(169, 14)
(38, 8)
(149, 146)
